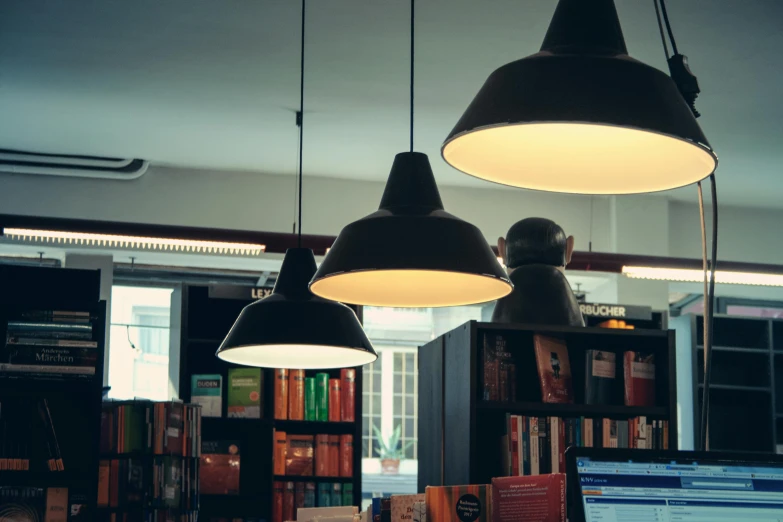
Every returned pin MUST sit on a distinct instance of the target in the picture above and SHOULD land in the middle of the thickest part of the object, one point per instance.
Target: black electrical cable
(413, 17)
(668, 26)
(301, 118)
(710, 315)
(660, 29)
(704, 433)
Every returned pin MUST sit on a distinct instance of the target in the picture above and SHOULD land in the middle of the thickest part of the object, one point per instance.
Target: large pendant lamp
(292, 328)
(581, 116)
(411, 252)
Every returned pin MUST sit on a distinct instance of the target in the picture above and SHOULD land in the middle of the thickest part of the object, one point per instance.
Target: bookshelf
(206, 315)
(459, 432)
(747, 379)
(73, 401)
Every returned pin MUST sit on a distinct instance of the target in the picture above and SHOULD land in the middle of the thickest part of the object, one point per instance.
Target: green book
(347, 494)
(310, 399)
(324, 494)
(337, 495)
(244, 392)
(322, 396)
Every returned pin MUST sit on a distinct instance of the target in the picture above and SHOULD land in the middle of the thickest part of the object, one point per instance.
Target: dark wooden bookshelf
(74, 401)
(205, 319)
(747, 380)
(459, 433)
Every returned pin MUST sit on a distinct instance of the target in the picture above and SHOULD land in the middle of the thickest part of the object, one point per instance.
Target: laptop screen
(683, 490)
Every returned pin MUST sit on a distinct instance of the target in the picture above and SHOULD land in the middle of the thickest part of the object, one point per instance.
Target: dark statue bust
(536, 251)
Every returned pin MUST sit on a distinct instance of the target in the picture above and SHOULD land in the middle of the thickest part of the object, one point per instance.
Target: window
(139, 343)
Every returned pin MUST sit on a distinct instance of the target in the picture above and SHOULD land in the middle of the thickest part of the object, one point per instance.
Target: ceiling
(214, 84)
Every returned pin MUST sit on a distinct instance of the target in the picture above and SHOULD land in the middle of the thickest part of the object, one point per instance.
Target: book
(207, 390)
(348, 398)
(244, 392)
(40, 326)
(496, 371)
(324, 494)
(22, 504)
(458, 503)
(281, 393)
(322, 462)
(60, 343)
(402, 507)
(79, 505)
(104, 481)
(20, 354)
(220, 467)
(334, 455)
(309, 492)
(55, 462)
(296, 394)
(535, 463)
(346, 455)
(529, 499)
(299, 455)
(336, 494)
(56, 505)
(335, 409)
(600, 382)
(309, 398)
(348, 495)
(47, 369)
(278, 489)
(279, 452)
(299, 495)
(289, 501)
(322, 396)
(544, 446)
(554, 369)
(639, 375)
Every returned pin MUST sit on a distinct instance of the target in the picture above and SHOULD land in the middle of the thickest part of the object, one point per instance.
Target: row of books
(244, 393)
(602, 385)
(50, 343)
(44, 504)
(160, 428)
(157, 515)
(306, 455)
(28, 437)
(319, 398)
(147, 484)
(536, 445)
(287, 497)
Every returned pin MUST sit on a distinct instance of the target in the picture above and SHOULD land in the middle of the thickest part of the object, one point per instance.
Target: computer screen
(681, 490)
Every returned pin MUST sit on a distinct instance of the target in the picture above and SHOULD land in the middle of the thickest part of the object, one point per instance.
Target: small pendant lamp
(411, 252)
(581, 116)
(292, 328)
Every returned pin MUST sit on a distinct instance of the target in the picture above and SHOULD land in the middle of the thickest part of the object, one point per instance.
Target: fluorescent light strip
(697, 276)
(60, 238)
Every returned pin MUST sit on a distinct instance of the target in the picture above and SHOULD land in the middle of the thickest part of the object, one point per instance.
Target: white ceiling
(205, 83)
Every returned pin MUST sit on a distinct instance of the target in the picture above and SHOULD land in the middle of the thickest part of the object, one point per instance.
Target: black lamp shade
(411, 253)
(581, 116)
(292, 328)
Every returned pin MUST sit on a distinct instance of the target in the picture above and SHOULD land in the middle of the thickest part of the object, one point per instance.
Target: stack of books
(288, 497)
(51, 343)
(317, 398)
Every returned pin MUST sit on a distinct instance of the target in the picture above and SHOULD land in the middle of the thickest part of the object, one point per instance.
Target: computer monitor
(614, 485)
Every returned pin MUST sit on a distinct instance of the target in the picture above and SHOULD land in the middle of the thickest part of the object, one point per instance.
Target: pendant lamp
(292, 328)
(581, 116)
(411, 252)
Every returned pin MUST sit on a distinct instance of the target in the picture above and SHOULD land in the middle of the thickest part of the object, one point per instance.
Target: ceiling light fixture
(697, 276)
(411, 252)
(581, 116)
(292, 328)
(81, 239)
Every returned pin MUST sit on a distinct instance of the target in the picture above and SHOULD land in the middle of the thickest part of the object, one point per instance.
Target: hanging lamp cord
(301, 119)
(413, 17)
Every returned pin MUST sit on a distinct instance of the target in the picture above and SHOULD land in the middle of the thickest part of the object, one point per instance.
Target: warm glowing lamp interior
(579, 158)
(303, 356)
(410, 288)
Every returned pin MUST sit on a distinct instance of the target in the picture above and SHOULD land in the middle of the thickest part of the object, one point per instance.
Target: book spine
(51, 356)
(348, 495)
(554, 446)
(665, 435)
(334, 455)
(322, 463)
(281, 393)
(346, 455)
(278, 489)
(309, 494)
(296, 394)
(335, 412)
(348, 389)
(280, 452)
(21, 326)
(337, 494)
(503, 385)
(288, 501)
(561, 436)
(520, 445)
(46, 369)
(512, 381)
(535, 464)
(324, 495)
(514, 446)
(52, 335)
(299, 496)
(310, 398)
(491, 367)
(525, 445)
(60, 343)
(322, 397)
(544, 445)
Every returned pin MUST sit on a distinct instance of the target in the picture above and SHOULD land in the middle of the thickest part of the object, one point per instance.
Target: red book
(299, 495)
(296, 394)
(514, 447)
(299, 455)
(335, 410)
(334, 455)
(346, 455)
(529, 499)
(322, 463)
(288, 502)
(639, 375)
(554, 369)
(562, 442)
(348, 392)
(277, 501)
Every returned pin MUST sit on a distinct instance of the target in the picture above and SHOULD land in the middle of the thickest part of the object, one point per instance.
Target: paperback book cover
(529, 499)
(220, 465)
(402, 507)
(458, 503)
(554, 369)
(207, 390)
(244, 392)
(600, 381)
(639, 374)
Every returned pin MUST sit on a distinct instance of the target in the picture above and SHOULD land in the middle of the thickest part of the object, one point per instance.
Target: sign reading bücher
(613, 311)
